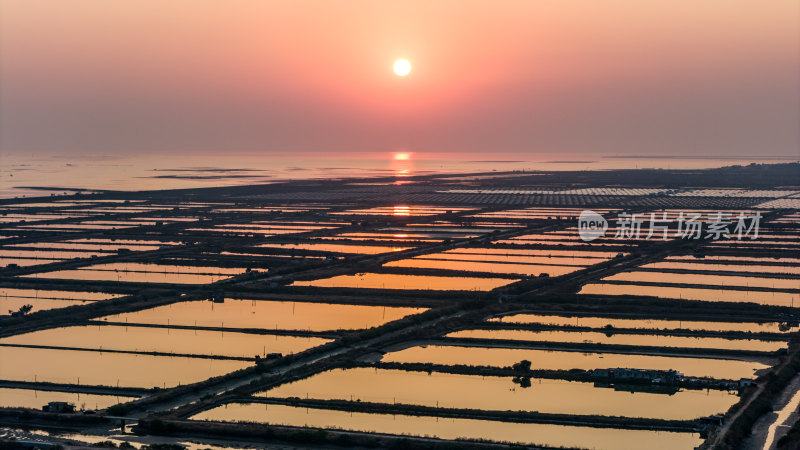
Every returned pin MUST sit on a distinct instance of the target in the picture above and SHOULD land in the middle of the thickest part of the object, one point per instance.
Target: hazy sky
(717, 77)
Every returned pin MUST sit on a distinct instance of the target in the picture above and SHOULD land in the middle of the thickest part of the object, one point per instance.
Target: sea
(23, 176)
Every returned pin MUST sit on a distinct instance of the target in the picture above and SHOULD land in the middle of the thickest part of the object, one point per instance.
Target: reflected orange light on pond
(401, 211)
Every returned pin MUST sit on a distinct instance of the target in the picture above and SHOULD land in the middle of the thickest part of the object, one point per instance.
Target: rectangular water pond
(560, 259)
(501, 394)
(145, 273)
(694, 278)
(737, 259)
(48, 254)
(13, 299)
(127, 242)
(774, 298)
(489, 267)
(263, 229)
(267, 314)
(381, 237)
(401, 210)
(395, 281)
(165, 340)
(99, 247)
(109, 369)
(608, 338)
(566, 360)
(646, 323)
(337, 248)
(533, 252)
(537, 213)
(750, 268)
(452, 428)
(30, 398)
(25, 262)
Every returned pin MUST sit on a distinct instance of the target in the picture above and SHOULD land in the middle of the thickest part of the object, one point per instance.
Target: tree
(24, 309)
(522, 366)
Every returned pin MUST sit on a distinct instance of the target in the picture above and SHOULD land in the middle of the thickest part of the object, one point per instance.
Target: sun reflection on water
(401, 211)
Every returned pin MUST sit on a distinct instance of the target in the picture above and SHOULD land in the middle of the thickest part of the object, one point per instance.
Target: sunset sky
(650, 77)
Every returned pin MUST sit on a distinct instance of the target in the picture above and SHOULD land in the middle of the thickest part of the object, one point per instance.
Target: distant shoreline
(734, 158)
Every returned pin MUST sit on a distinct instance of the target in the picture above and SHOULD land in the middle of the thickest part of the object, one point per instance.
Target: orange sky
(715, 77)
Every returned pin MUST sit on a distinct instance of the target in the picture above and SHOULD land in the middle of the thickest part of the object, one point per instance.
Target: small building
(655, 376)
(59, 407)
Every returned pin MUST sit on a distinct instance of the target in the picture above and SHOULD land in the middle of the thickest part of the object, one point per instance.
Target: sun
(402, 67)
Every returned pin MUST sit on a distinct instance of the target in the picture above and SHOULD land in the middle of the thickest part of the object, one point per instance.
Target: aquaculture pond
(744, 267)
(736, 259)
(380, 237)
(695, 278)
(109, 369)
(774, 298)
(267, 314)
(337, 248)
(145, 273)
(502, 394)
(401, 210)
(610, 338)
(12, 299)
(396, 281)
(25, 262)
(562, 259)
(690, 365)
(98, 247)
(133, 242)
(48, 254)
(164, 340)
(30, 398)
(646, 323)
(453, 428)
(489, 267)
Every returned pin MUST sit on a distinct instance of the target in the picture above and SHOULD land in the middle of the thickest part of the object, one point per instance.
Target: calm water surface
(267, 314)
(165, 340)
(709, 295)
(501, 394)
(395, 281)
(653, 340)
(658, 324)
(109, 369)
(28, 398)
(565, 360)
(449, 428)
(491, 267)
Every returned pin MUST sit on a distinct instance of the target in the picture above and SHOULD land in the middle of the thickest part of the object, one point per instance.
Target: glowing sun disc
(402, 67)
